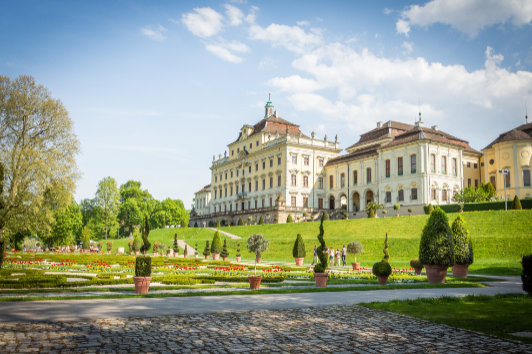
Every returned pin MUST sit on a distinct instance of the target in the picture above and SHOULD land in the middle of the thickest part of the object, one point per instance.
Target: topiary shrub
(196, 249)
(517, 203)
(416, 263)
(299, 247)
(109, 245)
(436, 246)
(289, 219)
(371, 213)
(396, 207)
(176, 247)
(257, 244)
(322, 257)
(185, 252)
(463, 247)
(137, 244)
(325, 215)
(156, 246)
(430, 209)
(196, 224)
(145, 243)
(385, 250)
(143, 266)
(526, 274)
(216, 246)
(130, 246)
(240, 222)
(207, 250)
(261, 220)
(410, 211)
(218, 224)
(382, 268)
(100, 246)
(224, 252)
(355, 248)
(238, 250)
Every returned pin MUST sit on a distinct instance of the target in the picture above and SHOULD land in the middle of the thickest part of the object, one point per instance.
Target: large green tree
(135, 203)
(108, 199)
(37, 151)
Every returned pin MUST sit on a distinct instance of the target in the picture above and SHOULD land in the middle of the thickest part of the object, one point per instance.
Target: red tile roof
(522, 132)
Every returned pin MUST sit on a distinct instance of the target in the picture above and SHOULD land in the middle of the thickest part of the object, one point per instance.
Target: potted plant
(216, 246)
(463, 248)
(320, 276)
(137, 244)
(224, 252)
(409, 211)
(162, 249)
(170, 252)
(382, 271)
(109, 245)
(176, 247)
(417, 265)
(384, 212)
(145, 233)
(355, 248)
(142, 276)
(156, 245)
(299, 250)
(396, 207)
(256, 244)
(238, 257)
(207, 250)
(436, 248)
(130, 246)
(100, 247)
(372, 208)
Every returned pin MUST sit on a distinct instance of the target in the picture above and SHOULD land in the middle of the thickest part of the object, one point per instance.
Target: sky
(156, 88)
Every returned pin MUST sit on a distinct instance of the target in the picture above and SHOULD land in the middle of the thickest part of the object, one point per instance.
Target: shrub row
(497, 205)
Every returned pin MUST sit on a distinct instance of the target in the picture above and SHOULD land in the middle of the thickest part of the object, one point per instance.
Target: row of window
(443, 170)
(256, 205)
(306, 160)
(250, 147)
(525, 176)
(225, 174)
(218, 191)
(400, 195)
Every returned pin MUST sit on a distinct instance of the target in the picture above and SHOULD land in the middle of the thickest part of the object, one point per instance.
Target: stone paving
(311, 329)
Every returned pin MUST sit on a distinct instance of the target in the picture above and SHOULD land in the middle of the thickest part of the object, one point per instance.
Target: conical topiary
(322, 264)
(325, 215)
(216, 245)
(207, 250)
(145, 243)
(385, 250)
(430, 209)
(289, 219)
(176, 247)
(463, 247)
(240, 222)
(218, 224)
(238, 250)
(436, 246)
(299, 247)
(224, 252)
(517, 203)
(371, 213)
(185, 253)
(261, 220)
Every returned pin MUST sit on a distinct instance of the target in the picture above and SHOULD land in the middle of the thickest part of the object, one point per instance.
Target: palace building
(273, 170)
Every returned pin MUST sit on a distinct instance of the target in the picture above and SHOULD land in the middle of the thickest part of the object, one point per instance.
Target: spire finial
(269, 96)
(526, 114)
(420, 116)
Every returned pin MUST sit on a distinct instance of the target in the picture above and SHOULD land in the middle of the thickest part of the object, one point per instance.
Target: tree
(145, 243)
(108, 199)
(261, 220)
(355, 248)
(85, 238)
(37, 152)
(176, 247)
(298, 251)
(135, 203)
(224, 252)
(216, 246)
(463, 247)
(372, 208)
(436, 246)
(289, 219)
(257, 244)
(130, 214)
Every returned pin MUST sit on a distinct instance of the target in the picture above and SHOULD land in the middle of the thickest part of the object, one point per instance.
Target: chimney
(275, 114)
(379, 124)
(434, 127)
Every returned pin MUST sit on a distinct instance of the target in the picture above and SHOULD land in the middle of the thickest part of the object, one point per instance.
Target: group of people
(334, 256)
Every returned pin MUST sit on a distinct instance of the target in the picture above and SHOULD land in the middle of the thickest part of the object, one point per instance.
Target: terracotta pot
(436, 273)
(460, 270)
(254, 281)
(238, 258)
(142, 284)
(356, 265)
(207, 257)
(224, 258)
(215, 256)
(382, 279)
(299, 261)
(418, 270)
(258, 260)
(321, 279)
(137, 253)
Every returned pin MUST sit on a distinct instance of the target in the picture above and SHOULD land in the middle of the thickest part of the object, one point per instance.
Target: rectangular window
(305, 181)
(250, 147)
(256, 186)
(293, 201)
(237, 172)
(271, 162)
(368, 175)
(526, 178)
(320, 182)
(469, 182)
(236, 189)
(305, 160)
(342, 180)
(263, 205)
(433, 163)
(331, 180)
(279, 161)
(294, 159)
(399, 166)
(320, 162)
(454, 167)
(492, 181)
(444, 195)
(293, 180)
(256, 167)
(215, 178)
(433, 193)
(263, 184)
(231, 189)
(257, 143)
(215, 193)
(508, 180)
(414, 193)
(444, 165)
(468, 165)
(320, 203)
(249, 187)
(225, 191)
(279, 181)
(388, 197)
(231, 207)
(255, 204)
(413, 164)
(249, 168)
(226, 176)
(476, 183)
(387, 168)
(305, 202)
(475, 165)
(231, 174)
(263, 165)
(400, 195)
(271, 182)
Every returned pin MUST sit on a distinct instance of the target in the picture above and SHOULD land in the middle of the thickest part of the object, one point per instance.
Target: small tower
(268, 109)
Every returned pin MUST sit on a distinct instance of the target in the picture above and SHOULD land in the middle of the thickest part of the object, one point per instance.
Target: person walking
(344, 256)
(315, 259)
(331, 255)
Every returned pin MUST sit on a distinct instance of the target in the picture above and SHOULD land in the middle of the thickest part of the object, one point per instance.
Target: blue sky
(155, 89)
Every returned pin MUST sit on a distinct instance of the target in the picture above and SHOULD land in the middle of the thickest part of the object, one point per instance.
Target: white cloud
(223, 53)
(237, 46)
(267, 63)
(303, 23)
(204, 22)
(408, 47)
(387, 11)
(252, 15)
(234, 14)
(157, 33)
(293, 38)
(467, 16)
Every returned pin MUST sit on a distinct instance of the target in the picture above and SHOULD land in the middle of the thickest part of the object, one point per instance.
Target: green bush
(325, 215)
(238, 250)
(396, 206)
(322, 264)
(137, 244)
(261, 220)
(207, 250)
(517, 203)
(176, 247)
(416, 263)
(216, 246)
(145, 233)
(299, 247)
(480, 206)
(371, 213)
(143, 266)
(240, 222)
(85, 238)
(109, 245)
(463, 247)
(430, 209)
(224, 252)
(257, 244)
(436, 246)
(526, 274)
(382, 268)
(355, 248)
(289, 219)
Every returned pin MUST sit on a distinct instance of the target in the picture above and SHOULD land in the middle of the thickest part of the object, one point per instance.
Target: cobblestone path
(329, 328)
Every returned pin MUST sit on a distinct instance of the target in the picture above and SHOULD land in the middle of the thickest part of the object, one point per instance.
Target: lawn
(496, 315)
(499, 238)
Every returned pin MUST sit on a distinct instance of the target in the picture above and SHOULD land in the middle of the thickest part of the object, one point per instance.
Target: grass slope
(499, 238)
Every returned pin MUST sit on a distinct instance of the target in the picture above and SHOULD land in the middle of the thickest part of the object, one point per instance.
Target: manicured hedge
(497, 205)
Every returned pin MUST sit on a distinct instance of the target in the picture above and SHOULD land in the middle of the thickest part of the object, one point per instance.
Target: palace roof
(522, 132)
